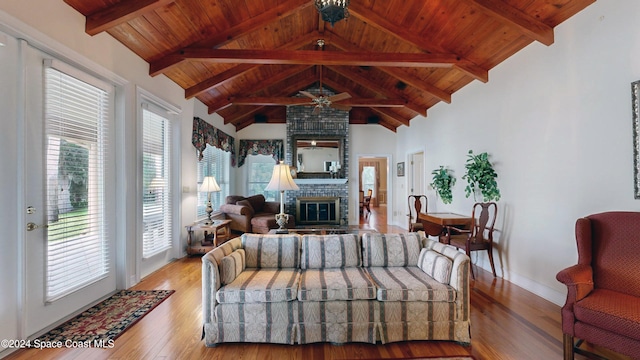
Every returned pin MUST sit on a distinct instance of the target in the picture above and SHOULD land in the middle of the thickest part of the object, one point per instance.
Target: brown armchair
(252, 214)
(603, 297)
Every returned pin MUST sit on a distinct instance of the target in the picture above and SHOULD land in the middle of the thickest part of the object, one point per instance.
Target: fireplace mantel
(320, 181)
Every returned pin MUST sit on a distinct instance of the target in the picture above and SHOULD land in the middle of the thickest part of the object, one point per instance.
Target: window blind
(216, 163)
(260, 168)
(77, 113)
(156, 182)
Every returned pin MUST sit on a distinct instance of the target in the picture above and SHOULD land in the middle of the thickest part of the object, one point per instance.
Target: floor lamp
(281, 180)
(209, 185)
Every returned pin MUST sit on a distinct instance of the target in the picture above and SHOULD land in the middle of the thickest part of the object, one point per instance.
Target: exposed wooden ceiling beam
(364, 81)
(283, 101)
(371, 18)
(219, 105)
(525, 23)
(241, 69)
(304, 57)
(218, 80)
(235, 118)
(285, 90)
(217, 39)
(283, 75)
(399, 74)
(388, 113)
(120, 13)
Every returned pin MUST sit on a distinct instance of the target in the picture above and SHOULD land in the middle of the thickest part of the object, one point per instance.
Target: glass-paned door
(69, 167)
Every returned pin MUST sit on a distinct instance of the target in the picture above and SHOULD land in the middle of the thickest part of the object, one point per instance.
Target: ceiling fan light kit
(333, 11)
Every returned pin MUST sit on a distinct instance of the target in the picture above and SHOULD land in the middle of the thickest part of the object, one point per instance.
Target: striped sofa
(292, 289)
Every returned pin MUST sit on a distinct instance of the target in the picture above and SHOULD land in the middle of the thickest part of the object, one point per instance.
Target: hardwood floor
(507, 323)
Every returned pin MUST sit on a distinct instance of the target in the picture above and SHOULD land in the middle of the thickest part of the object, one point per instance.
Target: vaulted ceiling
(396, 58)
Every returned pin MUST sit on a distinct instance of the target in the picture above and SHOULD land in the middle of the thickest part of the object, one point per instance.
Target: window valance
(204, 133)
(274, 148)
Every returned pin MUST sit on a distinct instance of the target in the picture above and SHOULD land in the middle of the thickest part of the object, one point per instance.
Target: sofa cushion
(335, 284)
(409, 284)
(257, 202)
(330, 251)
(435, 265)
(271, 251)
(231, 266)
(261, 285)
(610, 310)
(390, 249)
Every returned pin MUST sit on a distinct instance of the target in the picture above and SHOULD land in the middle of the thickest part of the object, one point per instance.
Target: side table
(214, 234)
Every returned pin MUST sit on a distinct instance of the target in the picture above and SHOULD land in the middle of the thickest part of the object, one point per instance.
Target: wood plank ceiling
(396, 58)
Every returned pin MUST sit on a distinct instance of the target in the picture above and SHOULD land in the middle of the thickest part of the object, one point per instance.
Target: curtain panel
(275, 148)
(204, 133)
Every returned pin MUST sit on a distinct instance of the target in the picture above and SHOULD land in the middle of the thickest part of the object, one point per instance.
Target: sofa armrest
(210, 284)
(272, 207)
(211, 280)
(459, 274)
(236, 209)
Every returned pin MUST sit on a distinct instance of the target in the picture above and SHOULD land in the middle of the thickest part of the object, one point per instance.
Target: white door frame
(355, 186)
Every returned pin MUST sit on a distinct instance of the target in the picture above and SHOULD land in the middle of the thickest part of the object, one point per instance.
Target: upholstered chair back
(610, 243)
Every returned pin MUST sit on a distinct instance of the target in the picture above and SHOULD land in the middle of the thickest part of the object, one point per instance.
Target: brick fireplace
(330, 122)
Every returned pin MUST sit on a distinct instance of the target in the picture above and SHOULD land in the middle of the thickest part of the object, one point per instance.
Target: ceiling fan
(323, 102)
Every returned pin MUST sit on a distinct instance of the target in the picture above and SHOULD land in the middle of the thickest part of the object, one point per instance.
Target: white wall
(556, 122)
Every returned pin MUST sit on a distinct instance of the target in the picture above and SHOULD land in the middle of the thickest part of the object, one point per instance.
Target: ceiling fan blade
(308, 94)
(316, 110)
(338, 97)
(341, 107)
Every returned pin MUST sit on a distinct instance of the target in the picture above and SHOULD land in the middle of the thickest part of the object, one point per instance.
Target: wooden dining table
(435, 223)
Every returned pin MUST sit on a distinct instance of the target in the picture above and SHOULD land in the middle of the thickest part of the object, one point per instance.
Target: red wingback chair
(603, 298)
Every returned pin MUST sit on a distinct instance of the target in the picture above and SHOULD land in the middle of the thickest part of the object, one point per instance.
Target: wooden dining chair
(416, 203)
(366, 202)
(479, 236)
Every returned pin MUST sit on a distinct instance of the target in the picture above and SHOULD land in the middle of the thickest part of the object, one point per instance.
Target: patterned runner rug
(110, 318)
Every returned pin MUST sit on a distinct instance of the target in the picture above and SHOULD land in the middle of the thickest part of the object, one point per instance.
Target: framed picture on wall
(400, 169)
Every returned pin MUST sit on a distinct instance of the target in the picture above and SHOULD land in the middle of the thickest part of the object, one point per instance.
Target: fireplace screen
(318, 210)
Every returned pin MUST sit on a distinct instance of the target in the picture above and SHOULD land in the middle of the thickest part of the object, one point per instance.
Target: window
(156, 181)
(78, 111)
(216, 163)
(369, 179)
(260, 168)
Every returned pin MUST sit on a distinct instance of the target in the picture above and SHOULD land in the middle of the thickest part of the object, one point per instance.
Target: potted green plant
(481, 177)
(442, 183)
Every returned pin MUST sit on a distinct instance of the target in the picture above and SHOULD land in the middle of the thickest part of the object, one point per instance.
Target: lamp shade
(209, 184)
(281, 179)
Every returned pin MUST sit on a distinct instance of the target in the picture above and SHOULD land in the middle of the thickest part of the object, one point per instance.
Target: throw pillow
(435, 265)
(232, 266)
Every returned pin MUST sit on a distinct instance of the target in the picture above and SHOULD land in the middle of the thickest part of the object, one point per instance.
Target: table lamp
(281, 180)
(209, 185)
